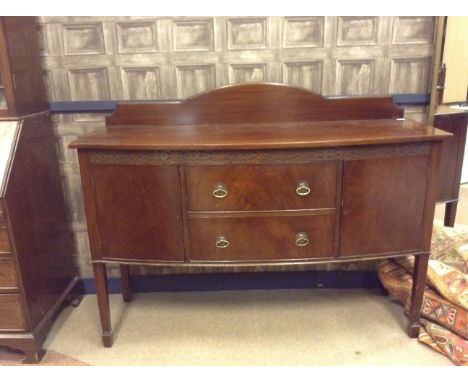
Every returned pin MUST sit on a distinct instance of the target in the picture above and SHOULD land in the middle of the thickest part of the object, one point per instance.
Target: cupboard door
(138, 211)
(383, 205)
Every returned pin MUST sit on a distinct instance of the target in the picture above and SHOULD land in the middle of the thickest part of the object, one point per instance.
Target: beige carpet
(10, 357)
(282, 327)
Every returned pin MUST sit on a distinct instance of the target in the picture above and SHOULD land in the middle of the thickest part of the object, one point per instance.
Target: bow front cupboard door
(138, 212)
(384, 205)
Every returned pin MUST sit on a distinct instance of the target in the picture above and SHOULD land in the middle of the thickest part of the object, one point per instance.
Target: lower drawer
(8, 277)
(11, 313)
(2, 216)
(261, 238)
(4, 241)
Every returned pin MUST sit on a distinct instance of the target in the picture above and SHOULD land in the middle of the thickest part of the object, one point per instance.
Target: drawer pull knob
(301, 239)
(303, 189)
(220, 191)
(222, 242)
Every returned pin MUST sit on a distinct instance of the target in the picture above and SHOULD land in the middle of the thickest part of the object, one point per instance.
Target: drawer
(8, 276)
(4, 241)
(2, 216)
(261, 238)
(11, 312)
(261, 186)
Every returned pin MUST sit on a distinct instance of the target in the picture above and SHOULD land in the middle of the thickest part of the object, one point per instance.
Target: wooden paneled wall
(112, 58)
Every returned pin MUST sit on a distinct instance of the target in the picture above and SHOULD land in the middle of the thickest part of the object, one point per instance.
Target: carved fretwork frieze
(259, 156)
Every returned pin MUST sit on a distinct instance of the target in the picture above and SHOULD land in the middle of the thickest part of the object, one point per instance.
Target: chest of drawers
(258, 174)
(36, 248)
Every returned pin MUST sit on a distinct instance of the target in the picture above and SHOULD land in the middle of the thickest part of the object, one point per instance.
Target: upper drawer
(261, 186)
(4, 241)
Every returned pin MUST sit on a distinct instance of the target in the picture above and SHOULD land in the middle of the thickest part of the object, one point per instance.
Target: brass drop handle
(220, 191)
(301, 239)
(222, 242)
(303, 189)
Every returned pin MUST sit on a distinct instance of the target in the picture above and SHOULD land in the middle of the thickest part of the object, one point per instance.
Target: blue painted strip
(412, 99)
(109, 106)
(241, 281)
(82, 106)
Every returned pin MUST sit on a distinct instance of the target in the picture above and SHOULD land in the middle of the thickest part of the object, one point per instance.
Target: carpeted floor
(274, 327)
(51, 358)
(282, 327)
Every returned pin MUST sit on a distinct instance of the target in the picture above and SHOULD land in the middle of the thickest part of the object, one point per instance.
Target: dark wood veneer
(151, 178)
(383, 205)
(253, 103)
(261, 187)
(36, 245)
(4, 241)
(12, 316)
(36, 238)
(265, 238)
(8, 275)
(248, 136)
(136, 206)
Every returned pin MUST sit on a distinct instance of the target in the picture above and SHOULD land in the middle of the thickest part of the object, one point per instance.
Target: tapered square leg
(126, 283)
(102, 293)
(107, 339)
(417, 294)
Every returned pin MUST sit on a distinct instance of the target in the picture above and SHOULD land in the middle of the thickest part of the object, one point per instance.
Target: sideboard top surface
(256, 116)
(259, 136)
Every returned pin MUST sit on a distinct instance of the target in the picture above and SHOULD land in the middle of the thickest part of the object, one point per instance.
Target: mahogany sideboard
(258, 174)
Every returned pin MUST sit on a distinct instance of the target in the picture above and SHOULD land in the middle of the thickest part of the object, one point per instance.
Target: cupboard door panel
(383, 205)
(138, 211)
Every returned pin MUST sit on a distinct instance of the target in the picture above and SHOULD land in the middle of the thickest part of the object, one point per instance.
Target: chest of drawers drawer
(11, 313)
(258, 187)
(231, 238)
(8, 276)
(2, 217)
(4, 241)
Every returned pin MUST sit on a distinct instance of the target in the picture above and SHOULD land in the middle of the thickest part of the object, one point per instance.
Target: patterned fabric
(448, 264)
(445, 342)
(445, 301)
(398, 281)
